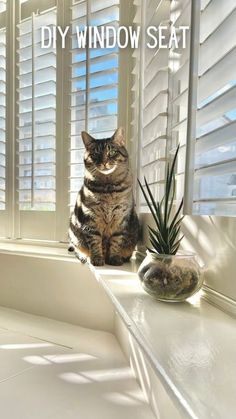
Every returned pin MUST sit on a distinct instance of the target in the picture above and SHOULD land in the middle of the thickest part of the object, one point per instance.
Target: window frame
(192, 107)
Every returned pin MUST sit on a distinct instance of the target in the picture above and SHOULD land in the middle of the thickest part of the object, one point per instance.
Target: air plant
(165, 236)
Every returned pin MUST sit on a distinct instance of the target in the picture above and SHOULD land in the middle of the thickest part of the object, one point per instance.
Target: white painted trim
(63, 116)
(124, 73)
(219, 300)
(192, 107)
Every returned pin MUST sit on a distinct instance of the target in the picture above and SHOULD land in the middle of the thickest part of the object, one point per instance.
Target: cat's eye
(94, 156)
(113, 153)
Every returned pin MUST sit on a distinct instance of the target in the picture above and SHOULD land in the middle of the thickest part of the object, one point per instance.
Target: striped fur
(104, 225)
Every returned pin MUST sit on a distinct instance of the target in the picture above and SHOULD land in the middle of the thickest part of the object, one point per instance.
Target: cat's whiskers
(90, 174)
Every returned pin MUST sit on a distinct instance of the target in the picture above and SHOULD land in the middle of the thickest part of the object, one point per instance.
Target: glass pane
(103, 109)
(102, 124)
(216, 186)
(94, 107)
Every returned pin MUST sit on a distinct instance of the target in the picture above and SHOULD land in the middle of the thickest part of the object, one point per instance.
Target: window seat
(190, 346)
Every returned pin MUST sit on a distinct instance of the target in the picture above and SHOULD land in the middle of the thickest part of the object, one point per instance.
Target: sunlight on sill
(68, 358)
(115, 272)
(97, 376)
(58, 359)
(73, 378)
(129, 282)
(36, 360)
(122, 399)
(195, 300)
(26, 345)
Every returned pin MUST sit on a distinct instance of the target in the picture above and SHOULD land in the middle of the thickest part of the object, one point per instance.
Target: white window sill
(191, 345)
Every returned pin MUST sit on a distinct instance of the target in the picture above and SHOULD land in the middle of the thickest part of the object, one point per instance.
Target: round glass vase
(172, 278)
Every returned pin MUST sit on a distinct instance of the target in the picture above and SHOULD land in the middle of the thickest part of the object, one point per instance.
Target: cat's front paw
(97, 261)
(115, 260)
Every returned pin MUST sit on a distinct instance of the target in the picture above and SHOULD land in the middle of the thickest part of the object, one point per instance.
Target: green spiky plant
(165, 237)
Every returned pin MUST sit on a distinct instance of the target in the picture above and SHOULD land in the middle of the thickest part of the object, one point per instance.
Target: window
(214, 190)
(47, 97)
(94, 97)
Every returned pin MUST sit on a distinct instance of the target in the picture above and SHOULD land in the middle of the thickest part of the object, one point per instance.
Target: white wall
(214, 240)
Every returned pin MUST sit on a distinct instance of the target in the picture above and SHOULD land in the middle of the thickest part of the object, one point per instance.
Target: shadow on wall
(214, 241)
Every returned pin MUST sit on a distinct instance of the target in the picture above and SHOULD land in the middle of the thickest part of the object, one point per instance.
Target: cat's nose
(104, 166)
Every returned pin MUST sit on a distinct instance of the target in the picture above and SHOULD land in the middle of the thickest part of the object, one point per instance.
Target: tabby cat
(104, 225)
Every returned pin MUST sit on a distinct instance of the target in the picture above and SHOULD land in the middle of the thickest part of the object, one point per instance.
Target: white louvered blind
(2, 105)
(37, 115)
(135, 98)
(52, 94)
(94, 97)
(154, 102)
(179, 89)
(215, 148)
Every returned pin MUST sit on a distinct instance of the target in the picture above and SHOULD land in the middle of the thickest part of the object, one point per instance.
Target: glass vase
(170, 278)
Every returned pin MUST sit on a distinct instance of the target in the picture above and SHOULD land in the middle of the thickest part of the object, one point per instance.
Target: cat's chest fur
(112, 210)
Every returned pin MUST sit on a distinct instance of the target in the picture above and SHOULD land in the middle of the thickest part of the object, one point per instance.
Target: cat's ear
(119, 137)
(87, 139)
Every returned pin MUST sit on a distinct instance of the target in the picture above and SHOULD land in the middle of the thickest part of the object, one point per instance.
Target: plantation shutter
(3, 92)
(2, 105)
(135, 97)
(94, 84)
(36, 122)
(154, 101)
(215, 146)
(180, 15)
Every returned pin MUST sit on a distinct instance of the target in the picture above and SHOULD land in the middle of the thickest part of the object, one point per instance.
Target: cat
(104, 225)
